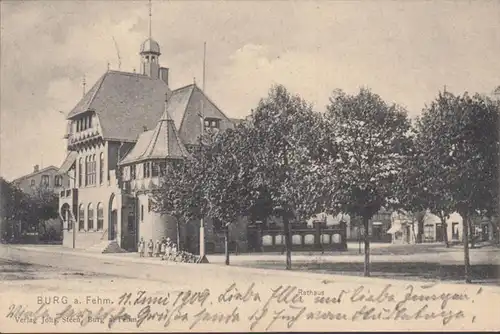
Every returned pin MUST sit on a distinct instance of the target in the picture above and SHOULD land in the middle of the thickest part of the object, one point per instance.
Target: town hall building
(120, 135)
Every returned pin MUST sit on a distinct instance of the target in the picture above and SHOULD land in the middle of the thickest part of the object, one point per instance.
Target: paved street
(32, 272)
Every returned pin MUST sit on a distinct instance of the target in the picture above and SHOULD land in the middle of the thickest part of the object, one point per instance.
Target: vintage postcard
(249, 166)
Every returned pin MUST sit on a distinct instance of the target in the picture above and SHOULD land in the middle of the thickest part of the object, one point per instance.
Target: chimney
(164, 74)
(144, 128)
(36, 168)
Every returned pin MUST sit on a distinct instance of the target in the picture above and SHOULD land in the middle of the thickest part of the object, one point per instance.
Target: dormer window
(212, 123)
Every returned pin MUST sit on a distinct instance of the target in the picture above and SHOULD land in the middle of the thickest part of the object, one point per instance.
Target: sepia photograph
(249, 166)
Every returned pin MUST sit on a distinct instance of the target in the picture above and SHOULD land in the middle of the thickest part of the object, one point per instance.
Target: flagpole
(202, 220)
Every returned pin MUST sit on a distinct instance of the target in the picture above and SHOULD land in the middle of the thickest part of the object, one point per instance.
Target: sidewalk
(216, 267)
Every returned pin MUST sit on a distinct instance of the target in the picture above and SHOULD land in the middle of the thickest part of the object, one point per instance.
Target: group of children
(160, 248)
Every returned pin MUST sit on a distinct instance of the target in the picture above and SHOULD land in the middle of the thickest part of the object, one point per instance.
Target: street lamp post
(203, 257)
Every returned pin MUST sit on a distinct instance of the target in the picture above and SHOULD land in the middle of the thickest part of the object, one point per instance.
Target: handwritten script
(249, 307)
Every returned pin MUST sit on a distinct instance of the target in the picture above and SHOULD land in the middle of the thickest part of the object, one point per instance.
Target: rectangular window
(45, 180)
(32, 183)
(142, 212)
(58, 181)
(429, 232)
(132, 172)
(155, 169)
(101, 168)
(162, 167)
(147, 169)
(211, 124)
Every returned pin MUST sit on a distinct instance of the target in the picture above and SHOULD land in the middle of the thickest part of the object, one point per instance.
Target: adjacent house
(46, 178)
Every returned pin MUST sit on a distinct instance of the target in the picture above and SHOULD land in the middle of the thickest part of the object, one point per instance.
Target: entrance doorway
(485, 232)
(439, 233)
(113, 225)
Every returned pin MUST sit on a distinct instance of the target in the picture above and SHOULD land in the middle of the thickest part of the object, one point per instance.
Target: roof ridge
(212, 102)
(33, 173)
(178, 140)
(187, 103)
(154, 139)
(183, 87)
(132, 74)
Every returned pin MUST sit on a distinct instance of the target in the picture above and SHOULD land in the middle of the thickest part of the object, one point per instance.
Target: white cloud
(404, 52)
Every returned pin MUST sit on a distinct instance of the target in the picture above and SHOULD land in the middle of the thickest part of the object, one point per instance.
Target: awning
(68, 162)
(394, 228)
(377, 223)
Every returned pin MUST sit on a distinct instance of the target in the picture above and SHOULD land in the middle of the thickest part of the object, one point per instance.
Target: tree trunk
(178, 235)
(288, 241)
(445, 231)
(415, 236)
(471, 232)
(465, 237)
(420, 232)
(226, 244)
(367, 247)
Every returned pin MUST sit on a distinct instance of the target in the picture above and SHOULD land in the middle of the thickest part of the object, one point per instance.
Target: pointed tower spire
(150, 17)
(166, 115)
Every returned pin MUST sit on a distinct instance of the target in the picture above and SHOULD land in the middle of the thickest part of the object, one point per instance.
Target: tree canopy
(373, 140)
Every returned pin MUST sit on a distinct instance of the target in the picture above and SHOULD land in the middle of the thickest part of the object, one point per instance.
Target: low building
(45, 178)
(405, 228)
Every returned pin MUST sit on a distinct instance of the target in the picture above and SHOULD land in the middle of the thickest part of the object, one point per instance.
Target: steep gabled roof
(125, 103)
(161, 143)
(190, 127)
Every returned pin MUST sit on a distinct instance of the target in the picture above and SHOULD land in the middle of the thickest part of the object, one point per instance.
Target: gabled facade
(46, 178)
(120, 135)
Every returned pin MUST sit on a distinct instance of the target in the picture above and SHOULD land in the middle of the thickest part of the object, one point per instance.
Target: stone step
(107, 246)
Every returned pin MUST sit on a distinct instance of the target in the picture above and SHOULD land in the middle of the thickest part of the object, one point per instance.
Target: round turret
(150, 46)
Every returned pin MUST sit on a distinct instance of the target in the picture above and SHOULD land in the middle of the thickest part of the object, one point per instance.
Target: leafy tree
(226, 177)
(373, 140)
(175, 195)
(417, 188)
(459, 146)
(18, 207)
(284, 157)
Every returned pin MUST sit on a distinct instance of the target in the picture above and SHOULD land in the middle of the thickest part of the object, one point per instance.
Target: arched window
(100, 217)
(101, 167)
(90, 217)
(86, 170)
(80, 172)
(81, 218)
(92, 169)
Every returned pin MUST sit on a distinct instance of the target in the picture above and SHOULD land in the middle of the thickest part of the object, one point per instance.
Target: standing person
(163, 246)
(150, 247)
(157, 248)
(140, 247)
(168, 248)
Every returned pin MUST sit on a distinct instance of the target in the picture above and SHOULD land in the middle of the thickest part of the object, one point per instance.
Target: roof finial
(83, 84)
(194, 80)
(107, 65)
(150, 19)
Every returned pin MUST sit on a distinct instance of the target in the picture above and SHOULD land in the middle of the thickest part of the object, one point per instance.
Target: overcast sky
(404, 51)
